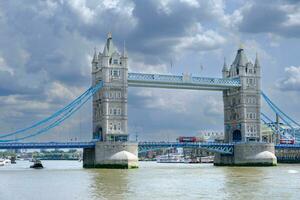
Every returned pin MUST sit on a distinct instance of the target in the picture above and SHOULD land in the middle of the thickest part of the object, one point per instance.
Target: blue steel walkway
(143, 146)
(181, 82)
(47, 145)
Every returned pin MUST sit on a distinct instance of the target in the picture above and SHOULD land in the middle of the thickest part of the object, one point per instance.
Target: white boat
(170, 158)
(7, 161)
(207, 159)
(1, 162)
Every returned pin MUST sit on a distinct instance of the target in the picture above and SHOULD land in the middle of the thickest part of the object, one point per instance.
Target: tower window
(116, 73)
(119, 126)
(115, 61)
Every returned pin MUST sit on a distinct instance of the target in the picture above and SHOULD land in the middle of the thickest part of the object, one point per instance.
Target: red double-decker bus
(287, 141)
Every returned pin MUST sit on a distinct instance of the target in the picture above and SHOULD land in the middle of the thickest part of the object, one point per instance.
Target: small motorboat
(37, 165)
(7, 161)
(1, 162)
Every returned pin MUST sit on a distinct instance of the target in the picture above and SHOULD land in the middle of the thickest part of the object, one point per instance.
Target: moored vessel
(171, 158)
(37, 165)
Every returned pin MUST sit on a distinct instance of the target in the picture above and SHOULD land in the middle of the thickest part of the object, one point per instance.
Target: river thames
(64, 180)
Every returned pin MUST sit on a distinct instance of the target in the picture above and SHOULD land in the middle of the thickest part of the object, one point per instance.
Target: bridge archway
(236, 136)
(98, 133)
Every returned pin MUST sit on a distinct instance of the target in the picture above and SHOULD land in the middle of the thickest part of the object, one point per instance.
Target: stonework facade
(242, 105)
(110, 103)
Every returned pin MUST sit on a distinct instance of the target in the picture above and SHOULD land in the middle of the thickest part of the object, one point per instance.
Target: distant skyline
(46, 49)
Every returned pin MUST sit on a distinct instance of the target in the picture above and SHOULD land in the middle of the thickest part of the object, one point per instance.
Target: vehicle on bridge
(184, 139)
(287, 141)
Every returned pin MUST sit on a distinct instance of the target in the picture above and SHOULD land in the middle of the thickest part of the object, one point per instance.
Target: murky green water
(64, 180)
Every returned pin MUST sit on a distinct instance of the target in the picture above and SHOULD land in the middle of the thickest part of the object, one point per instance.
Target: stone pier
(122, 155)
(248, 154)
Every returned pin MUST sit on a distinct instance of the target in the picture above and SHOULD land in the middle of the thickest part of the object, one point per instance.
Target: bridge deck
(181, 82)
(47, 145)
(143, 146)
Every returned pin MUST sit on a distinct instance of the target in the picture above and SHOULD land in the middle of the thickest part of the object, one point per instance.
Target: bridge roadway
(143, 146)
(47, 145)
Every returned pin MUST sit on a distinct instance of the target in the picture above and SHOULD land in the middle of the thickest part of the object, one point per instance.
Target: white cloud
(4, 67)
(193, 3)
(85, 13)
(167, 100)
(274, 40)
(138, 66)
(58, 92)
(202, 41)
(291, 81)
(293, 15)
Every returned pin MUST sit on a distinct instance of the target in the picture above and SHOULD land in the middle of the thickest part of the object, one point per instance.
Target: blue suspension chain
(273, 107)
(60, 120)
(50, 117)
(278, 109)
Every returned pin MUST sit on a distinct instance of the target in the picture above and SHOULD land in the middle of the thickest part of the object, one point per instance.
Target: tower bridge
(241, 88)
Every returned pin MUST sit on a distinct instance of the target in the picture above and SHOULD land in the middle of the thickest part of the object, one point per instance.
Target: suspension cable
(71, 108)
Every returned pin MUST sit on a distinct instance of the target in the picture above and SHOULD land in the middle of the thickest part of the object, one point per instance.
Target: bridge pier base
(111, 155)
(248, 154)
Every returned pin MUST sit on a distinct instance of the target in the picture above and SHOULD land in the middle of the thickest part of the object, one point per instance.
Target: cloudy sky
(46, 48)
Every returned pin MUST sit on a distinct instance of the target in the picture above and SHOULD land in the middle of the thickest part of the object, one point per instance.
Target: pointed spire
(225, 68)
(109, 35)
(240, 58)
(257, 64)
(109, 48)
(95, 55)
(124, 52)
(241, 46)
(105, 51)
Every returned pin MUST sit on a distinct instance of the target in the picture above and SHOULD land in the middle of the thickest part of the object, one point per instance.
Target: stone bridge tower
(242, 116)
(242, 105)
(110, 103)
(110, 112)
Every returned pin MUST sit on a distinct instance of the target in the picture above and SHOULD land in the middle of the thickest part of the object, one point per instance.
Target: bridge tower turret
(110, 103)
(225, 70)
(242, 105)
